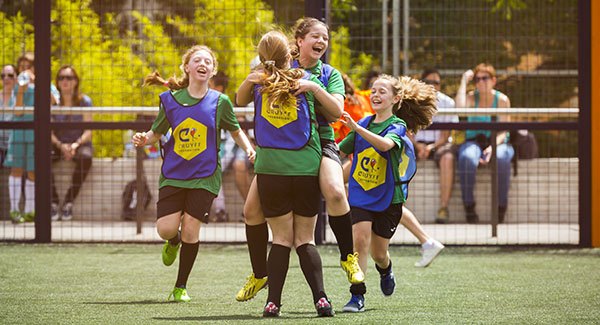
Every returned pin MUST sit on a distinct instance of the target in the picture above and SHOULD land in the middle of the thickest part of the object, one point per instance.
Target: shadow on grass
(209, 318)
(141, 302)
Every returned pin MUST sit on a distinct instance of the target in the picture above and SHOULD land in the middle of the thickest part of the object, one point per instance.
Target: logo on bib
(279, 115)
(190, 138)
(370, 171)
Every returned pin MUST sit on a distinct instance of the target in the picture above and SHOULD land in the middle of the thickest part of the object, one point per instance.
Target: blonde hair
(173, 82)
(279, 80)
(418, 104)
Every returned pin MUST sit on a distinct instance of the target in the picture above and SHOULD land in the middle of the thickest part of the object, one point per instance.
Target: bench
(545, 191)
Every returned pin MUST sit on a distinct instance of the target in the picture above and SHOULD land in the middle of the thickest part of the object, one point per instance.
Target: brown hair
(175, 83)
(302, 27)
(486, 68)
(279, 80)
(76, 95)
(418, 105)
(27, 56)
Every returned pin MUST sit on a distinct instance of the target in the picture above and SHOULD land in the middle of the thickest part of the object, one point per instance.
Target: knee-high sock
(277, 266)
(14, 192)
(342, 229)
(29, 196)
(257, 238)
(310, 263)
(187, 257)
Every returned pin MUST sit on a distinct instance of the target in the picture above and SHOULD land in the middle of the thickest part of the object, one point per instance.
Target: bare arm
(461, 99)
(243, 96)
(241, 140)
(380, 143)
(141, 139)
(333, 104)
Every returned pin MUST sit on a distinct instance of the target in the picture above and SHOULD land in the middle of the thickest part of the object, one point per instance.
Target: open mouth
(376, 101)
(319, 49)
(202, 71)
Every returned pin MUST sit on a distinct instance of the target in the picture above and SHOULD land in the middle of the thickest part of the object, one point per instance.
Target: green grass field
(127, 284)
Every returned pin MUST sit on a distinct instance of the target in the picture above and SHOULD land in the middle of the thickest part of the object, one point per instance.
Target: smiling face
(314, 44)
(200, 67)
(383, 96)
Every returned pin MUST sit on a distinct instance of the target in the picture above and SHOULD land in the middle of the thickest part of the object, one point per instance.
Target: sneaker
(355, 305)
(169, 253)
(179, 295)
(353, 272)
(16, 217)
(251, 288)
(324, 308)
(442, 215)
(29, 216)
(271, 310)
(67, 211)
(387, 283)
(429, 252)
(54, 215)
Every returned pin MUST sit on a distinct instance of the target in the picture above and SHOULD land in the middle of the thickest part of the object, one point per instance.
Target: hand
(422, 150)
(468, 75)
(139, 139)
(251, 155)
(65, 149)
(74, 146)
(255, 77)
(348, 121)
(486, 155)
(305, 86)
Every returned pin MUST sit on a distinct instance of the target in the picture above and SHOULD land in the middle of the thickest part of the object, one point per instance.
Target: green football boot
(169, 253)
(179, 295)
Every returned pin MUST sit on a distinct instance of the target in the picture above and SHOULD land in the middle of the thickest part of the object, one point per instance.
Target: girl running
(383, 164)
(191, 170)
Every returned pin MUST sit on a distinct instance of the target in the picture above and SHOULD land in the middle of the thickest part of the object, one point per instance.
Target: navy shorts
(280, 195)
(331, 150)
(195, 202)
(384, 223)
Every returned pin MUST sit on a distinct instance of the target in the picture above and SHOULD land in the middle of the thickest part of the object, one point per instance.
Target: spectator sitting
(477, 149)
(435, 144)
(69, 144)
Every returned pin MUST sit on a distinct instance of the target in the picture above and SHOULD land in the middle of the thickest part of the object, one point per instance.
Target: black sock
(385, 271)
(358, 289)
(175, 240)
(187, 257)
(342, 229)
(277, 266)
(312, 267)
(257, 238)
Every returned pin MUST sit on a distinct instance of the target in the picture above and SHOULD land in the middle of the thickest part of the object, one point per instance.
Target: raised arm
(380, 143)
(461, 95)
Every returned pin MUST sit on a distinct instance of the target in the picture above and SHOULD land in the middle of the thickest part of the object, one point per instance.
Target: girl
(383, 164)
(73, 145)
(287, 166)
(191, 172)
(311, 41)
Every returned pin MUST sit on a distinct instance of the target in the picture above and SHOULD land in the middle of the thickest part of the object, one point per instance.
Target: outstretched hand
(348, 121)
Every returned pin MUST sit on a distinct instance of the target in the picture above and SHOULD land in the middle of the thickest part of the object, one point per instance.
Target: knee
(252, 214)
(379, 257)
(334, 194)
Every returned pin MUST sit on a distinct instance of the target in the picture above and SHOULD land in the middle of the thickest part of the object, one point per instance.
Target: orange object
(358, 106)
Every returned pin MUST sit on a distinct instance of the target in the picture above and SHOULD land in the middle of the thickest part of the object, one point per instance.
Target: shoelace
(249, 283)
(354, 268)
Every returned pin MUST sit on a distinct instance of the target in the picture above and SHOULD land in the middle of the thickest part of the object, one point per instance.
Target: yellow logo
(279, 115)
(190, 138)
(370, 169)
(402, 168)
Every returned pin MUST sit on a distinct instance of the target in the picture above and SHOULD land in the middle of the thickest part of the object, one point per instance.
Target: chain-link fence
(101, 50)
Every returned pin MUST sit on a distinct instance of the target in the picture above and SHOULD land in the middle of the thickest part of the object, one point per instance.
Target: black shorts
(195, 202)
(331, 150)
(280, 195)
(384, 222)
